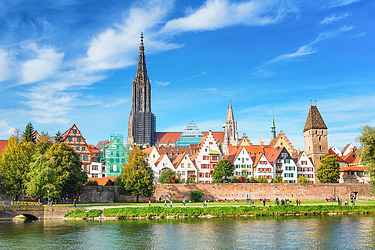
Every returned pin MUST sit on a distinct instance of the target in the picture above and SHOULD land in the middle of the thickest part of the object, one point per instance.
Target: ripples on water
(355, 232)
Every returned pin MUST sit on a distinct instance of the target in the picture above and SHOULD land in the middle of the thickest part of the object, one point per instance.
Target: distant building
(243, 163)
(185, 168)
(114, 155)
(142, 122)
(304, 166)
(273, 129)
(97, 170)
(229, 130)
(281, 140)
(191, 135)
(315, 135)
(73, 138)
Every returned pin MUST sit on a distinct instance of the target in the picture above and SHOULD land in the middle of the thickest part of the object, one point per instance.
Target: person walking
(264, 201)
(170, 204)
(184, 203)
(205, 203)
(149, 203)
(165, 203)
(297, 202)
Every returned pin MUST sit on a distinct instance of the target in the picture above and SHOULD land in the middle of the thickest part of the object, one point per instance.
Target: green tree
(58, 137)
(223, 171)
(252, 180)
(329, 170)
(278, 179)
(303, 179)
(42, 178)
(14, 165)
(28, 134)
(262, 179)
(168, 176)
(92, 183)
(234, 179)
(196, 195)
(70, 176)
(44, 142)
(367, 152)
(136, 177)
(190, 180)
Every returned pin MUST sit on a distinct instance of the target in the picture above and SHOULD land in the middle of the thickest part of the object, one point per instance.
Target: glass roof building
(191, 135)
(114, 155)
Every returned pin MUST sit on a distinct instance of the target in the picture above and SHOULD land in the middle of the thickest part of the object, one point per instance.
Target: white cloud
(215, 14)
(6, 130)
(161, 83)
(338, 3)
(45, 64)
(5, 69)
(334, 18)
(304, 50)
(113, 48)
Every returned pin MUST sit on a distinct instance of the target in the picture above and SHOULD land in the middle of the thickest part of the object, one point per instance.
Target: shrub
(196, 195)
(92, 183)
(109, 183)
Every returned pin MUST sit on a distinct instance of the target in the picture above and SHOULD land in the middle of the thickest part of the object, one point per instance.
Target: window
(85, 157)
(94, 175)
(114, 168)
(178, 172)
(189, 165)
(206, 175)
(94, 167)
(182, 165)
(70, 139)
(85, 168)
(77, 148)
(183, 172)
(205, 157)
(79, 139)
(204, 166)
(153, 156)
(74, 131)
(201, 175)
(286, 160)
(83, 148)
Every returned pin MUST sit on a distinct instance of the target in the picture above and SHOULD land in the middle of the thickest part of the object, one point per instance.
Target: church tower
(230, 131)
(315, 135)
(273, 129)
(142, 122)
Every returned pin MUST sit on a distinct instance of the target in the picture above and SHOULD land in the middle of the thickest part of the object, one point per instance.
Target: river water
(328, 232)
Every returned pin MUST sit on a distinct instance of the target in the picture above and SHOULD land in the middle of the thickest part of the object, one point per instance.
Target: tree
(367, 140)
(223, 171)
(92, 183)
(109, 183)
(44, 142)
(168, 176)
(303, 179)
(136, 177)
(58, 137)
(329, 170)
(190, 180)
(252, 180)
(28, 134)
(14, 165)
(70, 176)
(196, 195)
(262, 179)
(278, 179)
(42, 178)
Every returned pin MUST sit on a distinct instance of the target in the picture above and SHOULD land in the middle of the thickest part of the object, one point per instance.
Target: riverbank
(209, 212)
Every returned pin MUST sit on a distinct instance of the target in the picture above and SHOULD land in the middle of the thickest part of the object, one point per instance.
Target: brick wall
(261, 190)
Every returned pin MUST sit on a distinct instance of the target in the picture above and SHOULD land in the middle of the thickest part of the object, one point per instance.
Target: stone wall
(178, 192)
(260, 190)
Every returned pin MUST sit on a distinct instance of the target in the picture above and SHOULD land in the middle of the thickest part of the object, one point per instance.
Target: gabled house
(281, 140)
(114, 155)
(263, 167)
(284, 164)
(73, 138)
(207, 155)
(243, 164)
(304, 166)
(185, 167)
(348, 148)
(162, 163)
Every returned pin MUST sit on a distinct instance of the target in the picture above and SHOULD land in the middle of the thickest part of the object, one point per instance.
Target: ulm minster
(193, 153)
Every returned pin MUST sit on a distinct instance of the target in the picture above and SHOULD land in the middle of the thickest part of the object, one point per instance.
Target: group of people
(171, 203)
(339, 201)
(286, 202)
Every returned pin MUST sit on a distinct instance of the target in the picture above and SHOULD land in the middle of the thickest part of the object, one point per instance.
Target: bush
(92, 183)
(109, 183)
(196, 195)
(190, 180)
(84, 214)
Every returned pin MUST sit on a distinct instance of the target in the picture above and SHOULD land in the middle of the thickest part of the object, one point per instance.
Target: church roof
(314, 120)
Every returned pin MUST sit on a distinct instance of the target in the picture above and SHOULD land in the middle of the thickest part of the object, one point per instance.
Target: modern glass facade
(191, 135)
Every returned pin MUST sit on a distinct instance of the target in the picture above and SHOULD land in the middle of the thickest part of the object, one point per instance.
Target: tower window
(320, 147)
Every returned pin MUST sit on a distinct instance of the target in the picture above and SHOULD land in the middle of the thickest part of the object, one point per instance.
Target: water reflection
(336, 232)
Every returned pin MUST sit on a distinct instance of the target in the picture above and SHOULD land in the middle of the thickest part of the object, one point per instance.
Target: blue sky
(70, 61)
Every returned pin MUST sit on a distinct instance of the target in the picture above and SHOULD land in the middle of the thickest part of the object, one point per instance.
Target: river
(328, 232)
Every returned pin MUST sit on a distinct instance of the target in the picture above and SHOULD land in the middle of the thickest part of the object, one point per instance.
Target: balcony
(191, 176)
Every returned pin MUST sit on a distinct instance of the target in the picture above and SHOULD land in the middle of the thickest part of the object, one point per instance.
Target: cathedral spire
(273, 129)
(230, 130)
(230, 116)
(141, 67)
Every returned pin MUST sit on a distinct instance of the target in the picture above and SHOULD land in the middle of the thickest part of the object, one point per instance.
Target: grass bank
(183, 212)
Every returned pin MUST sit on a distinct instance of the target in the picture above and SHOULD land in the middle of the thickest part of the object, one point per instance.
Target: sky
(73, 61)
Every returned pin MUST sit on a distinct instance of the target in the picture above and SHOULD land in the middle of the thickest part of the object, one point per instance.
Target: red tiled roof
(331, 152)
(167, 136)
(148, 150)
(219, 136)
(272, 154)
(351, 158)
(102, 181)
(3, 144)
(352, 168)
(102, 144)
(178, 159)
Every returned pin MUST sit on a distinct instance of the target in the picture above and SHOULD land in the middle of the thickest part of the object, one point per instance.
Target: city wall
(178, 192)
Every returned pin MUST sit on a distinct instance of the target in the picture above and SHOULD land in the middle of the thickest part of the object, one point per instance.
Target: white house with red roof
(243, 164)
(185, 167)
(284, 165)
(263, 167)
(162, 163)
(208, 154)
(304, 166)
(73, 138)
